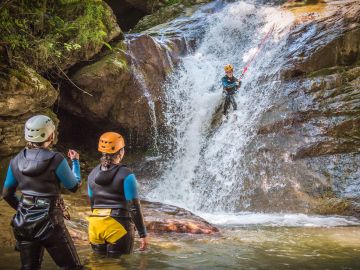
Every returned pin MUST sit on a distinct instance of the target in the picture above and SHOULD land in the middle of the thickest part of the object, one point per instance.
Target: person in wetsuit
(112, 189)
(37, 172)
(230, 86)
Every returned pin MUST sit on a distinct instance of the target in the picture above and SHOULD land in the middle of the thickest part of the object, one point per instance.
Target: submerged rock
(162, 218)
(159, 218)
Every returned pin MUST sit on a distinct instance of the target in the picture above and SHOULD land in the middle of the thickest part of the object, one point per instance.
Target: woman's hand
(72, 154)
(143, 243)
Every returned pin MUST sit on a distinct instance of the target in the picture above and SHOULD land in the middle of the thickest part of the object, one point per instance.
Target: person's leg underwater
(31, 255)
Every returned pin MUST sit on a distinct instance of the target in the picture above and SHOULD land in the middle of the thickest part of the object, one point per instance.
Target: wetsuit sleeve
(131, 195)
(9, 189)
(76, 169)
(69, 178)
(90, 195)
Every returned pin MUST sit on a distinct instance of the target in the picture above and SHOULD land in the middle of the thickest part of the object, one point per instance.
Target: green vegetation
(172, 2)
(171, 10)
(38, 33)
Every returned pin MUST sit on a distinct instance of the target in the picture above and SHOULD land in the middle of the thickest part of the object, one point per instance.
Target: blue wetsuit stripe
(76, 169)
(130, 187)
(66, 176)
(89, 190)
(10, 181)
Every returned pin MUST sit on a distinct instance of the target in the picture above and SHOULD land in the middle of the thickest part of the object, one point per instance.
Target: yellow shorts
(103, 228)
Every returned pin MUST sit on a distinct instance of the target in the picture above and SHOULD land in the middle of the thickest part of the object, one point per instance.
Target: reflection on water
(235, 248)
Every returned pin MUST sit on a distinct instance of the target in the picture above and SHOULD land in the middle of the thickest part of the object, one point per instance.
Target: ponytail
(108, 159)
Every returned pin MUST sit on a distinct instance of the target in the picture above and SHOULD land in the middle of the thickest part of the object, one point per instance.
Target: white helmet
(38, 128)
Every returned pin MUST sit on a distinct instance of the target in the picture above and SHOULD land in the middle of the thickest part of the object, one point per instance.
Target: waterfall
(206, 168)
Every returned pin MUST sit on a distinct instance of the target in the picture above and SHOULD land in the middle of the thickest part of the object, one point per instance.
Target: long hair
(108, 159)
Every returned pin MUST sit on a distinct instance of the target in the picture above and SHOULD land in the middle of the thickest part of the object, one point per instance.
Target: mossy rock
(53, 35)
(115, 61)
(165, 14)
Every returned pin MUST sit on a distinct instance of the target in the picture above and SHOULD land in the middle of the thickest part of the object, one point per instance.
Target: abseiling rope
(260, 46)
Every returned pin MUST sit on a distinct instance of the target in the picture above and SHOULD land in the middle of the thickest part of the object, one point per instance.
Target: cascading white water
(207, 168)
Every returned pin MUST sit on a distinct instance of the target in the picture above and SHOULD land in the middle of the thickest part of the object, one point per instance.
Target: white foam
(278, 220)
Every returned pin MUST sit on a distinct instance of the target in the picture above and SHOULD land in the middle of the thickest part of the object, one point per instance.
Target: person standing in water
(37, 172)
(113, 193)
(230, 86)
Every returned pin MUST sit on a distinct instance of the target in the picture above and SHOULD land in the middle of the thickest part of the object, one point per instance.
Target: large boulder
(127, 85)
(125, 88)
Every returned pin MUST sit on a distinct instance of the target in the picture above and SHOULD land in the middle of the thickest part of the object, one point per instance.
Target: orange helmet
(111, 142)
(228, 68)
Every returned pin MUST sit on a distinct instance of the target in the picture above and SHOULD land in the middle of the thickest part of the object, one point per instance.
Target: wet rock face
(311, 133)
(126, 87)
(328, 42)
(23, 94)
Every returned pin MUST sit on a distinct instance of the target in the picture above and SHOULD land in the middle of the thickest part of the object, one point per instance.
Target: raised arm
(70, 178)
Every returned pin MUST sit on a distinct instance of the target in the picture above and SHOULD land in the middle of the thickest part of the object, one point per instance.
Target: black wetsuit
(230, 86)
(39, 221)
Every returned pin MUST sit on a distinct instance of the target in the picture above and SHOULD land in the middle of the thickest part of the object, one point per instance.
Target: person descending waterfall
(37, 173)
(112, 189)
(230, 85)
